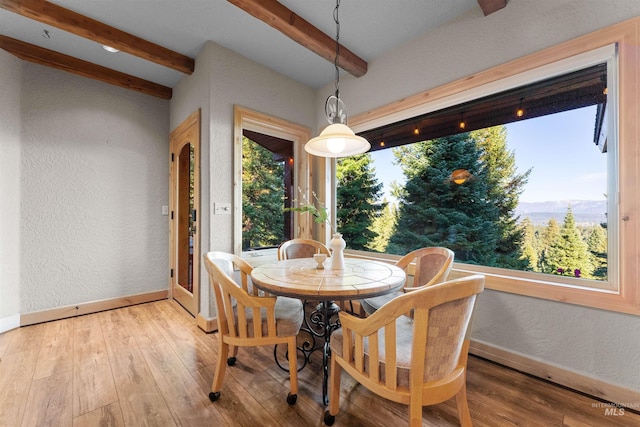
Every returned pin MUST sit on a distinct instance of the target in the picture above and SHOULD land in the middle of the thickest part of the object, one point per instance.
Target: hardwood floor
(150, 365)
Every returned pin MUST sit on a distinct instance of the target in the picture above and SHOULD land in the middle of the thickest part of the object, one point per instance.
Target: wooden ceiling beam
(301, 31)
(490, 6)
(80, 25)
(47, 57)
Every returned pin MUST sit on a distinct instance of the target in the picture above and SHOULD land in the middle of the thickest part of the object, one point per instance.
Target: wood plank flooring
(149, 365)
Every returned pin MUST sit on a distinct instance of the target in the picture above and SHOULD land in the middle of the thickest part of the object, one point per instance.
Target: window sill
(561, 289)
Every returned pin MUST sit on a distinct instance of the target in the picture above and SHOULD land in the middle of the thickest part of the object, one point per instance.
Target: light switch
(165, 210)
(222, 208)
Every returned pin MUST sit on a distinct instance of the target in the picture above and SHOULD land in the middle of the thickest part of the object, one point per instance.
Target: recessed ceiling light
(110, 49)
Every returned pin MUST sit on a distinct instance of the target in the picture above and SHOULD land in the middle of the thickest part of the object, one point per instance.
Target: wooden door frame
(188, 129)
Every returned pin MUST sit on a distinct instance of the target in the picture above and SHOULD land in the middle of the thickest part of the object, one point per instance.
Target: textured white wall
(475, 43)
(93, 180)
(604, 345)
(191, 94)
(10, 87)
(595, 343)
(236, 80)
(227, 79)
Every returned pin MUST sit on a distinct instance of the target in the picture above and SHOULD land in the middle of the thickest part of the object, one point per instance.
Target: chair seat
(370, 305)
(289, 315)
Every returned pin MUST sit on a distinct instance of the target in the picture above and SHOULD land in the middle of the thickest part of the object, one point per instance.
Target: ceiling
(368, 29)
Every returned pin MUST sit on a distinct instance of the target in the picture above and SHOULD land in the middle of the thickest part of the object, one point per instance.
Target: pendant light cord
(336, 61)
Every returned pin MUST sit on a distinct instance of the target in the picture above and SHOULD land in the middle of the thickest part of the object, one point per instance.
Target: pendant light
(460, 176)
(520, 111)
(337, 139)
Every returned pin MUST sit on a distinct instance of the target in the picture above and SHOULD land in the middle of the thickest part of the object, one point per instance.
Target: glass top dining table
(301, 278)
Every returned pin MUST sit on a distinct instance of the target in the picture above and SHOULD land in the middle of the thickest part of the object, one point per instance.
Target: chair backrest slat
(419, 346)
(224, 323)
(226, 311)
(374, 357)
(256, 315)
(391, 357)
(347, 345)
(358, 353)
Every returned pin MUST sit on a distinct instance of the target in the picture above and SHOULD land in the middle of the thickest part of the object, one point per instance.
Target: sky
(566, 164)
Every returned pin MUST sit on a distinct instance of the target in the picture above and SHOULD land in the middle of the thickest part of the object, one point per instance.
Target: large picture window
(486, 151)
(517, 179)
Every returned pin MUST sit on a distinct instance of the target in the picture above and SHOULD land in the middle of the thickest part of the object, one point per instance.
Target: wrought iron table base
(317, 325)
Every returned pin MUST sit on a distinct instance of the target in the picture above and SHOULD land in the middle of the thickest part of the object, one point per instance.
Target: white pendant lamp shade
(337, 140)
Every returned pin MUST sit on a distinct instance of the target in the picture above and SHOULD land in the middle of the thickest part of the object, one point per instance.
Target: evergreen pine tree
(357, 200)
(262, 197)
(530, 246)
(597, 244)
(568, 252)
(549, 235)
(504, 186)
(384, 226)
(435, 211)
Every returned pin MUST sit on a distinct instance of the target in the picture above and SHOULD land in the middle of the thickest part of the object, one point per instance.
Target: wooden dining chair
(246, 318)
(432, 265)
(413, 350)
(301, 248)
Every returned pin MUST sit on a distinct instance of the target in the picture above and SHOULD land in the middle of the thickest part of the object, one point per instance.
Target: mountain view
(585, 212)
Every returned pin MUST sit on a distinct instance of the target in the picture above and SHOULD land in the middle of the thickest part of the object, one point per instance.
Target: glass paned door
(184, 179)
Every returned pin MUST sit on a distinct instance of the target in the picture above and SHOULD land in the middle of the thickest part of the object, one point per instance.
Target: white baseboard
(90, 307)
(10, 322)
(573, 380)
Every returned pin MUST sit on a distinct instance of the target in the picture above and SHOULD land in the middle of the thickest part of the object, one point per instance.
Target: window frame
(245, 118)
(559, 59)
